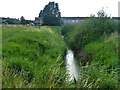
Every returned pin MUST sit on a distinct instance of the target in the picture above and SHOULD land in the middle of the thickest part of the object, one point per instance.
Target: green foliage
(67, 28)
(51, 14)
(0, 20)
(101, 13)
(87, 31)
(103, 70)
(97, 37)
(23, 21)
(56, 29)
(16, 21)
(12, 21)
(95, 76)
(35, 56)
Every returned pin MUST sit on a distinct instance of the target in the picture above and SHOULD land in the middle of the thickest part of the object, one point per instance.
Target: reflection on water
(72, 65)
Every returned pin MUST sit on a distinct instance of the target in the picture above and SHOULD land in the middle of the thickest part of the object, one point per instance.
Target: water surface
(72, 65)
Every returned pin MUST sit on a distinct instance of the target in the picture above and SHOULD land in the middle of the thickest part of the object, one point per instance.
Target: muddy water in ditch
(72, 66)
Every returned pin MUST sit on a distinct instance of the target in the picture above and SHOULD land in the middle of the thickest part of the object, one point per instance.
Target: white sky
(68, 8)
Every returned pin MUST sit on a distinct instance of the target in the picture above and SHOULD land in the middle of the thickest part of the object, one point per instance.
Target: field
(34, 58)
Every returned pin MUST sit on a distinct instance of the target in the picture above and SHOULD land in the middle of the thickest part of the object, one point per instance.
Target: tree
(51, 14)
(40, 14)
(22, 19)
(12, 21)
(101, 13)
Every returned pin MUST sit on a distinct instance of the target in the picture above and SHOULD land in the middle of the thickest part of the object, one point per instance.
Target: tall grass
(103, 70)
(32, 57)
(95, 43)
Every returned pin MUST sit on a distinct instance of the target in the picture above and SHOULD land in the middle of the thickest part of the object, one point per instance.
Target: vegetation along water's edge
(95, 44)
(33, 57)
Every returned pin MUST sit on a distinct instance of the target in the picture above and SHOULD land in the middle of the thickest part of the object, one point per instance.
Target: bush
(87, 31)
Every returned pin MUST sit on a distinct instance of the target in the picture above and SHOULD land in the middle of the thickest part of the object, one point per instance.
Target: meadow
(34, 58)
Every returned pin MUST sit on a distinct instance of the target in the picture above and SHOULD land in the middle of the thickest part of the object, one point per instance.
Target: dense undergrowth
(32, 57)
(95, 44)
(79, 35)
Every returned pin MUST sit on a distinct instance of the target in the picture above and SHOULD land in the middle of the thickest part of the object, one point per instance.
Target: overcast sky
(68, 8)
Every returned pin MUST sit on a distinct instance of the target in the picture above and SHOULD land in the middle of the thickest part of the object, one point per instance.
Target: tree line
(50, 15)
(17, 21)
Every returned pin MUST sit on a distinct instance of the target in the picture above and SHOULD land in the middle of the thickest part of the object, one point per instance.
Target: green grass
(56, 29)
(32, 57)
(79, 35)
(103, 70)
(95, 40)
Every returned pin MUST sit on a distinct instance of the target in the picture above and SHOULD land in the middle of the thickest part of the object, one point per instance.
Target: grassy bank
(95, 44)
(32, 57)
(102, 71)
